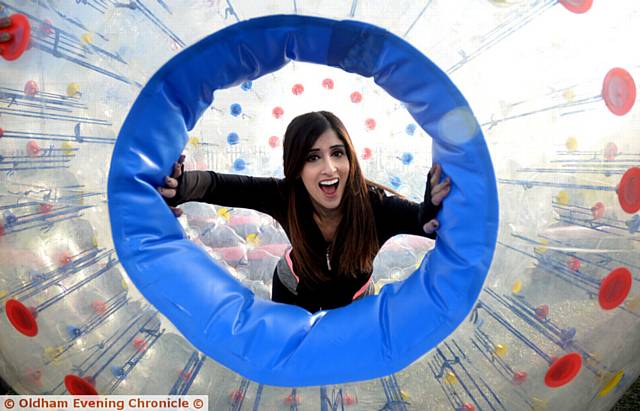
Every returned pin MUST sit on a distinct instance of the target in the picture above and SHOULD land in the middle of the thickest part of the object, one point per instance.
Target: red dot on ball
(370, 123)
(597, 211)
(610, 151)
(31, 88)
(327, 83)
(236, 396)
(64, 258)
(349, 399)
(356, 97)
(542, 311)
(139, 344)
(297, 89)
(33, 149)
(574, 264)
(46, 27)
(274, 141)
(99, 307)
(519, 377)
(46, 207)
(277, 112)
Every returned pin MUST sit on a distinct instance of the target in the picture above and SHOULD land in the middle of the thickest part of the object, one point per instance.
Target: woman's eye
(338, 154)
(312, 157)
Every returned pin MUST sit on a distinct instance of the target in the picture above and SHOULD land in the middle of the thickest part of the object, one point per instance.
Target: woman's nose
(329, 165)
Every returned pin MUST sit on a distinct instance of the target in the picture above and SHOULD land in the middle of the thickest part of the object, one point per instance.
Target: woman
(335, 219)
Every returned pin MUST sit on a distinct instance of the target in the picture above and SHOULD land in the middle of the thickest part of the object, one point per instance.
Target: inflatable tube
(274, 343)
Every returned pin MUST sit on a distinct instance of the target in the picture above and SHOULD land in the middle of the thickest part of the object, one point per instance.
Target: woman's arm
(396, 215)
(264, 194)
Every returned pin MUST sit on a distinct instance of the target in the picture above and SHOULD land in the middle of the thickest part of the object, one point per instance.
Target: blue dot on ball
(396, 182)
(410, 129)
(118, 371)
(634, 224)
(246, 86)
(233, 138)
(73, 331)
(406, 158)
(239, 165)
(9, 218)
(236, 109)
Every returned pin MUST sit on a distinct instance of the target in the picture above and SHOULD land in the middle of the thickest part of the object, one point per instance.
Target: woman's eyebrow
(330, 148)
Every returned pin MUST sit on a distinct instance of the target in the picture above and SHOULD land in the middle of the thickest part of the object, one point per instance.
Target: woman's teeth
(329, 187)
(329, 182)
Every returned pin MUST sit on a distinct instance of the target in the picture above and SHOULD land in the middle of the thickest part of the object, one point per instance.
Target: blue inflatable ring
(279, 344)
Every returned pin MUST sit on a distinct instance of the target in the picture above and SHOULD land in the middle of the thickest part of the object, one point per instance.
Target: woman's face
(325, 171)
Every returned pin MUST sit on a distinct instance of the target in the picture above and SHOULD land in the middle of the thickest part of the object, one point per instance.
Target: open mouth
(329, 187)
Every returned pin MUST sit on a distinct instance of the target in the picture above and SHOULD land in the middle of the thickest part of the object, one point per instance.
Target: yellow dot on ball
(541, 249)
(53, 353)
(48, 353)
(539, 404)
(569, 95)
(87, 38)
(405, 395)
(500, 3)
(450, 378)
(563, 198)
(224, 213)
(517, 287)
(67, 148)
(73, 89)
(611, 384)
(500, 350)
(253, 239)
(194, 141)
(633, 303)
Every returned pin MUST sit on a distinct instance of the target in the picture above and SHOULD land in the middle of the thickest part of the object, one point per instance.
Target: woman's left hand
(439, 190)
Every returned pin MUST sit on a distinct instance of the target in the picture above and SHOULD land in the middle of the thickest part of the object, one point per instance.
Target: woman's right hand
(171, 184)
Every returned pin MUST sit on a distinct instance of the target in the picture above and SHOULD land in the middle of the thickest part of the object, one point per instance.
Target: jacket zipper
(328, 259)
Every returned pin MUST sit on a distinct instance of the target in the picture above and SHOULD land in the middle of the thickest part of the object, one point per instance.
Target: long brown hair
(355, 243)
